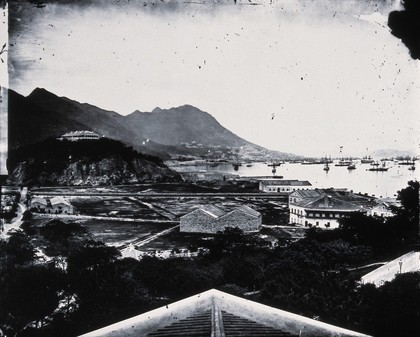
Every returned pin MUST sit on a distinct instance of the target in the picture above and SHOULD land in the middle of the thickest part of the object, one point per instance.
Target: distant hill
(161, 132)
(184, 124)
(52, 162)
(390, 153)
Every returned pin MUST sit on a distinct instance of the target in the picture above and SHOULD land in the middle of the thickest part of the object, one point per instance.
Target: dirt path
(15, 223)
(140, 242)
(89, 217)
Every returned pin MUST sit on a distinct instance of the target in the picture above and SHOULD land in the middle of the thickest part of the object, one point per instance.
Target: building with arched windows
(324, 207)
(283, 186)
(79, 135)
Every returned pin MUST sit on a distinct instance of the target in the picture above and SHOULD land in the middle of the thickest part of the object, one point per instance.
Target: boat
(343, 162)
(236, 165)
(314, 162)
(367, 160)
(326, 166)
(274, 165)
(377, 168)
(351, 166)
(413, 165)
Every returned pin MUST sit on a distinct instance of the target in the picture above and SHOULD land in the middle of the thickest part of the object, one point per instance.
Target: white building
(59, 205)
(283, 186)
(55, 205)
(383, 207)
(323, 208)
(39, 204)
(79, 135)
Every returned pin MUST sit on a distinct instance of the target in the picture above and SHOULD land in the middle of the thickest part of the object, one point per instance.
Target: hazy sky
(297, 76)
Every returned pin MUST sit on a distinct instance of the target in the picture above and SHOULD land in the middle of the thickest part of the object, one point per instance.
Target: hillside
(100, 162)
(43, 114)
(184, 124)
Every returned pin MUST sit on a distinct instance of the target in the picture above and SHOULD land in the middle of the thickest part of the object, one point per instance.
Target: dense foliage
(57, 152)
(88, 285)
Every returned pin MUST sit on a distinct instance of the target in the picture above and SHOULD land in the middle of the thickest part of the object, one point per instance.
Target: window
(323, 215)
(317, 215)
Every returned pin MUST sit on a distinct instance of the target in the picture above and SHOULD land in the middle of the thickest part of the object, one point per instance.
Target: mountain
(391, 153)
(52, 162)
(184, 124)
(163, 132)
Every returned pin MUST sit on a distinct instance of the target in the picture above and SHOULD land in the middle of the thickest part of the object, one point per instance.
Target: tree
(407, 216)
(392, 309)
(63, 237)
(19, 249)
(32, 295)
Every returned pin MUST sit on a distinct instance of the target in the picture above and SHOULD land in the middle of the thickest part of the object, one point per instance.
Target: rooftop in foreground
(218, 314)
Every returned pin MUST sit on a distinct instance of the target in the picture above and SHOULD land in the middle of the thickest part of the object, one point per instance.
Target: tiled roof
(331, 199)
(212, 210)
(198, 325)
(218, 314)
(328, 202)
(41, 201)
(59, 200)
(307, 193)
(216, 212)
(248, 210)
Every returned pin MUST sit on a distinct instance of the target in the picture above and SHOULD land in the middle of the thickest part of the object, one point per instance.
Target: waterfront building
(211, 219)
(216, 313)
(324, 207)
(79, 135)
(283, 186)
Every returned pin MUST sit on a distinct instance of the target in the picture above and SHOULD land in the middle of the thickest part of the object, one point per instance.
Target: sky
(300, 76)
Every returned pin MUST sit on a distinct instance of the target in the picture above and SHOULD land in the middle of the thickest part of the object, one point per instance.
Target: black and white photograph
(209, 168)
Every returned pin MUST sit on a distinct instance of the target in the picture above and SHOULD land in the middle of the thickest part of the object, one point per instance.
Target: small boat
(326, 166)
(351, 166)
(274, 165)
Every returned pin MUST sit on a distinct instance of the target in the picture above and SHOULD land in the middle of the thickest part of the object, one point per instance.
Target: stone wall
(197, 222)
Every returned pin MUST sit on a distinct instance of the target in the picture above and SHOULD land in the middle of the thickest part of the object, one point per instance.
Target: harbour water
(360, 180)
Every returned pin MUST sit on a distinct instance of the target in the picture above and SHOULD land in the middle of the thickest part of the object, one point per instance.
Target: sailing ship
(343, 162)
(326, 167)
(376, 167)
(413, 165)
(351, 166)
(274, 165)
(367, 160)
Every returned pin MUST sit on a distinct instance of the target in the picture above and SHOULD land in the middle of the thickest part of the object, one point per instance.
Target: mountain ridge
(163, 132)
